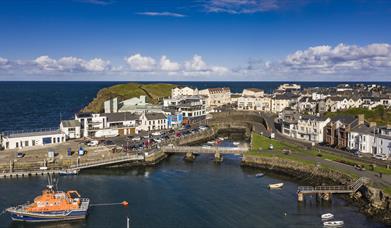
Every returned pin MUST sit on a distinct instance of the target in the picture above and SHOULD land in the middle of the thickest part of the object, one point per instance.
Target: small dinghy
(333, 224)
(327, 216)
(259, 175)
(276, 186)
(68, 172)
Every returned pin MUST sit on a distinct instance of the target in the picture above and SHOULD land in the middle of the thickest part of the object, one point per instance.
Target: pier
(325, 192)
(204, 150)
(78, 166)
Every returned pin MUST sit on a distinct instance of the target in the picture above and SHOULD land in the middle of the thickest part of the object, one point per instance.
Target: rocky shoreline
(371, 201)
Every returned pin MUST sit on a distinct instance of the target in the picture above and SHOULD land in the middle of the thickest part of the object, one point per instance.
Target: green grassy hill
(380, 115)
(154, 93)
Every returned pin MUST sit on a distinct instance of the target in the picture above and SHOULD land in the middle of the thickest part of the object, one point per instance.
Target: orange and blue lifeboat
(52, 205)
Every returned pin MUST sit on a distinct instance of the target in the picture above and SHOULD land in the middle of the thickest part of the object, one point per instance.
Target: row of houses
(342, 132)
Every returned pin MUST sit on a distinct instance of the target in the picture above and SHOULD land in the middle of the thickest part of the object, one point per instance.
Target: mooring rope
(123, 203)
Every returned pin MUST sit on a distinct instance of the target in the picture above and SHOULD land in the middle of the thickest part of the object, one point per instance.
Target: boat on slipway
(50, 206)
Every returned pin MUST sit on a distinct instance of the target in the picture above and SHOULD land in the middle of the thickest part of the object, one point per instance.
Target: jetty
(325, 192)
(78, 166)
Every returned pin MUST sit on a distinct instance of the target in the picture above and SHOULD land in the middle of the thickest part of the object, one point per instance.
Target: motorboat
(51, 206)
(327, 216)
(333, 224)
(276, 186)
(68, 172)
(259, 175)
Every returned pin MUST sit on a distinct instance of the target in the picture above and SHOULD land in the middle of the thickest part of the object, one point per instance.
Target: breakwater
(371, 201)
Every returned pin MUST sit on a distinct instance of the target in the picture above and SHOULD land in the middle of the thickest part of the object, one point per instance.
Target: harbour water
(182, 194)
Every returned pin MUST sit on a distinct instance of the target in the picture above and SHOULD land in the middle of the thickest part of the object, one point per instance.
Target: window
(17, 144)
(26, 143)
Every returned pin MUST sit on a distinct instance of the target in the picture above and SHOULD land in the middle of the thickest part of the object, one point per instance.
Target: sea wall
(371, 201)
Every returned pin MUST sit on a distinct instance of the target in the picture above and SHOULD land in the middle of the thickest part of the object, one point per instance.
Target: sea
(172, 194)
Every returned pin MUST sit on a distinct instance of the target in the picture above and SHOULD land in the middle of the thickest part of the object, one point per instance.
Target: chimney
(361, 119)
(372, 124)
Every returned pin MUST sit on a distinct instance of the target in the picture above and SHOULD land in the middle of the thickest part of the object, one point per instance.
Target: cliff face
(153, 92)
(372, 201)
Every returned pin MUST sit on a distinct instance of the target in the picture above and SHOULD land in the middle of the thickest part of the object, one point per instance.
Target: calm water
(30, 105)
(180, 194)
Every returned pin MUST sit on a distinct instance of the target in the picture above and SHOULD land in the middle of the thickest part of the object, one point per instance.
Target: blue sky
(195, 40)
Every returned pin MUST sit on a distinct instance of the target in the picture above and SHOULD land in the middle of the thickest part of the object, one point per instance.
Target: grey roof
(36, 133)
(364, 129)
(70, 123)
(286, 96)
(312, 117)
(346, 119)
(155, 116)
(120, 116)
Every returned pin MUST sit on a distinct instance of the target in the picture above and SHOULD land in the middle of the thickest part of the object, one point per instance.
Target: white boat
(333, 224)
(327, 216)
(221, 138)
(259, 175)
(236, 143)
(68, 172)
(276, 186)
(211, 142)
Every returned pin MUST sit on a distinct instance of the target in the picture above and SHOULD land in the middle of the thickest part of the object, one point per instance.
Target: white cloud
(341, 58)
(197, 66)
(138, 62)
(4, 63)
(242, 6)
(168, 65)
(71, 64)
(164, 14)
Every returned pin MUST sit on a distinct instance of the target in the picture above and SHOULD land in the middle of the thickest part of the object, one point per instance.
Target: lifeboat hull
(47, 217)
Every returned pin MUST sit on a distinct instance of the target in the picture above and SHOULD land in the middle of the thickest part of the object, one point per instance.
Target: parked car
(20, 155)
(136, 139)
(156, 133)
(93, 143)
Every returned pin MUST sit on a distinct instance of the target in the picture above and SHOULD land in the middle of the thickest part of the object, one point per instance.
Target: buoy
(125, 203)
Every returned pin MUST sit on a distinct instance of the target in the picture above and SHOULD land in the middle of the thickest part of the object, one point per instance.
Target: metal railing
(16, 132)
(107, 161)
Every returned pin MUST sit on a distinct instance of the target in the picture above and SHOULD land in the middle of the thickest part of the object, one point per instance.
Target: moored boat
(333, 224)
(52, 205)
(276, 186)
(259, 175)
(68, 172)
(327, 216)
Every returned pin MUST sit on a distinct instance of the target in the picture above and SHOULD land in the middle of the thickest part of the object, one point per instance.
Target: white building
(216, 96)
(71, 129)
(152, 121)
(20, 140)
(90, 123)
(361, 139)
(183, 91)
(111, 105)
(280, 102)
(310, 128)
(252, 92)
(254, 103)
(382, 145)
(289, 87)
